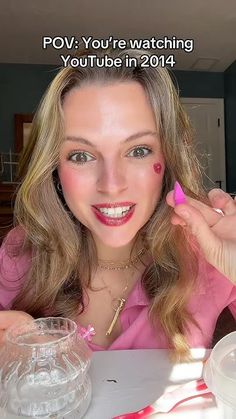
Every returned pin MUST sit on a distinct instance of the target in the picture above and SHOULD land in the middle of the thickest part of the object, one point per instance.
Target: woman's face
(111, 160)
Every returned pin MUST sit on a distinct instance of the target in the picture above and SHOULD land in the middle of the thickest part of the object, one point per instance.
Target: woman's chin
(115, 244)
(113, 241)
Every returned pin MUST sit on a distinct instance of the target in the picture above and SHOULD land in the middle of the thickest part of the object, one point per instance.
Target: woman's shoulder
(14, 237)
(15, 261)
(14, 248)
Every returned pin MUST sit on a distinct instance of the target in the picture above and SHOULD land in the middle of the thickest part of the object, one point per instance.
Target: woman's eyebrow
(130, 138)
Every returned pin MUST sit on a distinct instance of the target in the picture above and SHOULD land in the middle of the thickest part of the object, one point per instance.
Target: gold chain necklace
(125, 264)
(118, 302)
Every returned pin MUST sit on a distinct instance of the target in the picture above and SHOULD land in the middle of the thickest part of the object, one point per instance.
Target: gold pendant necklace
(121, 304)
(118, 302)
(117, 305)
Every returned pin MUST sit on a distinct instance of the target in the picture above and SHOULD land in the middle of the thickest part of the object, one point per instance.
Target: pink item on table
(179, 196)
(87, 333)
(169, 400)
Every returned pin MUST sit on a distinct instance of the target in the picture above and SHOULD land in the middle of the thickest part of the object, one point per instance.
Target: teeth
(115, 212)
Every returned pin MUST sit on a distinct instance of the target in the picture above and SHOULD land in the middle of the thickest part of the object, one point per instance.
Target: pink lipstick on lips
(116, 220)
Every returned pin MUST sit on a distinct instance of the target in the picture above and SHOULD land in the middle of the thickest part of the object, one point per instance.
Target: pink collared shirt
(215, 292)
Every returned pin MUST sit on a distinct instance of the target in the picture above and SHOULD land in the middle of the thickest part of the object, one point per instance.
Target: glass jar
(44, 370)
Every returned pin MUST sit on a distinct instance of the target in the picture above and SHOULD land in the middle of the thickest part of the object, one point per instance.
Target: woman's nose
(112, 178)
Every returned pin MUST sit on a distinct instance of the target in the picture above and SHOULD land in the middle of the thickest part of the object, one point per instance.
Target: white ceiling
(211, 23)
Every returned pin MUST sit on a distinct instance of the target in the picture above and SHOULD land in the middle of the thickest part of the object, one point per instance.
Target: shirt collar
(137, 296)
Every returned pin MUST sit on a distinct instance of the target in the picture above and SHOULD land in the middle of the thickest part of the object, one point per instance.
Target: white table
(126, 381)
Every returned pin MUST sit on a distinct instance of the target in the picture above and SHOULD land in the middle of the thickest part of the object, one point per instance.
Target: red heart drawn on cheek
(157, 168)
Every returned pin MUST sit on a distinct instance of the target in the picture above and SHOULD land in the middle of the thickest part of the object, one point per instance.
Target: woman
(96, 238)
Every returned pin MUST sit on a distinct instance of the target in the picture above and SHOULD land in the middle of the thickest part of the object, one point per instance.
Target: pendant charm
(121, 304)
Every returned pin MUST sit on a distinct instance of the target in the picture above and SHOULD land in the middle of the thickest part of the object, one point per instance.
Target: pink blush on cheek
(157, 168)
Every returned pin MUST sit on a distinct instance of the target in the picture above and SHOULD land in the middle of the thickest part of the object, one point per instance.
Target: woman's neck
(117, 254)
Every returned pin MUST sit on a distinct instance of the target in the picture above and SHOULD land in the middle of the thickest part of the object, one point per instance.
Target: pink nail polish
(179, 196)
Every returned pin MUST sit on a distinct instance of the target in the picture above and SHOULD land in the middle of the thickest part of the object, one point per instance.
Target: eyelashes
(82, 157)
(147, 149)
(82, 154)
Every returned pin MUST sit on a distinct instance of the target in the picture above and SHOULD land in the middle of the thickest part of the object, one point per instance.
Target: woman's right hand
(215, 232)
(9, 318)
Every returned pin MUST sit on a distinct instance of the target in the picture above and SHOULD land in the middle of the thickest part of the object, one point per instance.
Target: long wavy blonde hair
(62, 249)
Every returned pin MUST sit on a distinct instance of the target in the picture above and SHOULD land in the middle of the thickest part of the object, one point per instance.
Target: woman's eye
(80, 157)
(140, 152)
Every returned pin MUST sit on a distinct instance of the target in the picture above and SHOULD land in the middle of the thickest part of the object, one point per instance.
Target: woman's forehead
(109, 106)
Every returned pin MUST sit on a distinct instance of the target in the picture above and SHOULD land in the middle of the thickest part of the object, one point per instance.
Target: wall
(230, 125)
(200, 84)
(21, 87)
